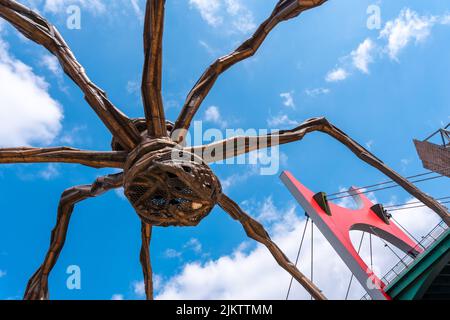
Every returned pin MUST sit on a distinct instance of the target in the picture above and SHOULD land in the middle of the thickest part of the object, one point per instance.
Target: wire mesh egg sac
(171, 192)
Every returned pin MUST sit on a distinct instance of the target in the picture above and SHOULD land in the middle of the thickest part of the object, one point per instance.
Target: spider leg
(146, 232)
(284, 10)
(152, 75)
(257, 232)
(39, 30)
(95, 159)
(241, 145)
(37, 288)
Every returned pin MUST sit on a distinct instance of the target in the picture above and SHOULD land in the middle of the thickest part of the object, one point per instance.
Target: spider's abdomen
(168, 186)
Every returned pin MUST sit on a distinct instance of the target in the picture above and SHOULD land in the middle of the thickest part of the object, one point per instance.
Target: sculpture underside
(167, 184)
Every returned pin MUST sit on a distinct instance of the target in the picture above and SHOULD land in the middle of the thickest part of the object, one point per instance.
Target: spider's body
(168, 185)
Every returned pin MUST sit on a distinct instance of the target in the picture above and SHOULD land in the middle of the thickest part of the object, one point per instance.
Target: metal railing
(445, 135)
(407, 260)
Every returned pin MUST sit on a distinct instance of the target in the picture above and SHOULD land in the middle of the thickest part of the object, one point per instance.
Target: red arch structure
(336, 222)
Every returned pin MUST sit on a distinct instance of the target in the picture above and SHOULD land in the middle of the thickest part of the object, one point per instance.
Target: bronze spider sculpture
(167, 183)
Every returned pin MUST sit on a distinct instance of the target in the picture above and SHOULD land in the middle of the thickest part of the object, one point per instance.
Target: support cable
(384, 188)
(413, 202)
(388, 246)
(351, 278)
(383, 183)
(371, 252)
(407, 232)
(415, 207)
(298, 256)
(312, 253)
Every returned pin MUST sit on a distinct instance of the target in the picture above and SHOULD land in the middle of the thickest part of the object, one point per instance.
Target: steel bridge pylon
(336, 222)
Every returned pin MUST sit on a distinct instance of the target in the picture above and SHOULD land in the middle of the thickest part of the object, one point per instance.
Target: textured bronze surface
(167, 184)
(37, 288)
(146, 234)
(152, 75)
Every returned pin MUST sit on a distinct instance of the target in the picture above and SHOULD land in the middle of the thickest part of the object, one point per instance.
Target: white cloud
(117, 297)
(281, 120)
(230, 13)
(256, 162)
(284, 159)
(137, 9)
(139, 288)
(445, 19)
(59, 6)
(52, 64)
(172, 253)
(405, 162)
(397, 34)
(73, 136)
(253, 273)
(50, 172)
(133, 87)
(408, 26)
(29, 114)
(317, 92)
(242, 17)
(212, 114)
(2, 273)
(369, 144)
(95, 7)
(195, 245)
(362, 56)
(209, 49)
(236, 179)
(266, 211)
(209, 10)
(336, 75)
(288, 99)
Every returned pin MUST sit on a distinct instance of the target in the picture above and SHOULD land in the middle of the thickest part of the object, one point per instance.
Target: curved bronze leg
(37, 288)
(257, 232)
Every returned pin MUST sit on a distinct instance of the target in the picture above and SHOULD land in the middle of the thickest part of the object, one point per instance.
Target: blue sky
(383, 86)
